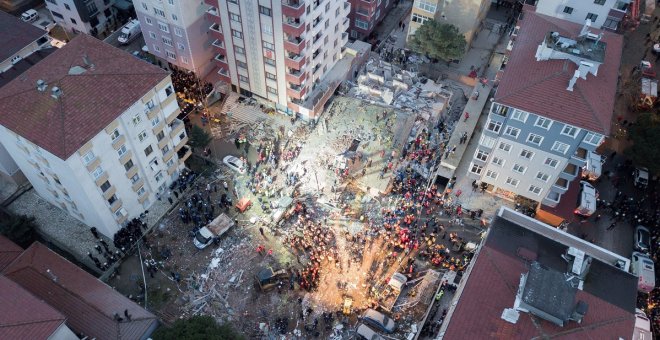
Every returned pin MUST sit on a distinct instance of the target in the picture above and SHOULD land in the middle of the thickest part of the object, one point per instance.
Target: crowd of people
(188, 87)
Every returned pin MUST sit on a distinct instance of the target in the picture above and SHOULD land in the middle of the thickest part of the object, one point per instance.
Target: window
(73, 21)
(148, 150)
(234, 17)
(551, 162)
(170, 54)
(57, 15)
(269, 61)
(243, 78)
(122, 150)
(267, 29)
(429, 6)
(271, 90)
(114, 135)
(511, 131)
(112, 199)
(534, 139)
(128, 165)
(156, 48)
(136, 119)
(184, 60)
(491, 174)
(233, 1)
(167, 41)
(494, 126)
(519, 168)
(155, 121)
(476, 169)
(512, 182)
(486, 141)
(159, 176)
(535, 189)
(135, 178)
(171, 2)
(569, 130)
(148, 21)
(163, 27)
(593, 138)
(237, 34)
(152, 35)
(481, 155)
(241, 64)
(499, 109)
(560, 147)
(592, 17)
(174, 17)
(505, 147)
(542, 176)
(88, 157)
(543, 123)
(271, 76)
(265, 11)
(67, 7)
(141, 191)
(498, 161)
(97, 172)
(520, 116)
(160, 136)
(159, 12)
(239, 50)
(526, 154)
(420, 19)
(165, 149)
(178, 31)
(599, 2)
(361, 24)
(142, 136)
(105, 186)
(144, 6)
(568, 10)
(269, 46)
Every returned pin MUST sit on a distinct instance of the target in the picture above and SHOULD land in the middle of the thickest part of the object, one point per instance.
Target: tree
(18, 228)
(645, 135)
(438, 40)
(199, 138)
(201, 327)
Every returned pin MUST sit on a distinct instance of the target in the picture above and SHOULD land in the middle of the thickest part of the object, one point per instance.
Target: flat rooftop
(588, 47)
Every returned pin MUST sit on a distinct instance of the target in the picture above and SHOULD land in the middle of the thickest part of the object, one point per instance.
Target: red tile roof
(89, 101)
(9, 251)
(24, 316)
(16, 34)
(540, 86)
(88, 303)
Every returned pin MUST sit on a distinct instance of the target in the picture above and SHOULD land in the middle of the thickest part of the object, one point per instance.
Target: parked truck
(129, 32)
(392, 291)
(212, 231)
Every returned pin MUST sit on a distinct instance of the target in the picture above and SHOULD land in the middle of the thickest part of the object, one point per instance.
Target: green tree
(197, 328)
(199, 138)
(645, 135)
(18, 228)
(438, 40)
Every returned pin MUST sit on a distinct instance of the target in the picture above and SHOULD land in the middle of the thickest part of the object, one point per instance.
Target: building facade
(552, 107)
(466, 15)
(102, 156)
(604, 14)
(365, 15)
(176, 31)
(280, 51)
(86, 16)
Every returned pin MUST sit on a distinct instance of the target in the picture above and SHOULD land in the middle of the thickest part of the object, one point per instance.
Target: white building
(86, 16)
(95, 131)
(604, 14)
(281, 51)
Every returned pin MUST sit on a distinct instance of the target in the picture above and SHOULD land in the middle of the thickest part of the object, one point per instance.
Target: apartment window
(551, 162)
(152, 35)
(57, 15)
(174, 17)
(267, 29)
(512, 182)
(122, 150)
(592, 17)
(269, 46)
(234, 17)
(241, 64)
(593, 138)
(560, 147)
(568, 10)
(144, 6)
(535, 189)
(498, 161)
(271, 76)
(569, 130)
(184, 60)
(243, 78)
(476, 169)
(519, 168)
(237, 34)
(600, 2)
(88, 157)
(239, 50)
(494, 126)
(429, 6)
(491, 174)
(97, 172)
(135, 178)
(128, 165)
(534, 139)
(67, 7)
(148, 21)
(136, 119)
(486, 141)
(178, 31)
(233, 1)
(73, 21)
(543, 123)
(148, 150)
(361, 24)
(511, 131)
(142, 135)
(159, 12)
(160, 136)
(167, 41)
(155, 122)
(481, 155)
(112, 199)
(105, 186)
(156, 48)
(170, 54)
(165, 149)
(505, 147)
(171, 2)
(542, 176)
(141, 191)
(181, 46)
(170, 162)
(271, 90)
(159, 176)
(526, 154)
(520, 116)
(336, 28)
(420, 19)
(265, 11)
(114, 135)
(500, 109)
(269, 61)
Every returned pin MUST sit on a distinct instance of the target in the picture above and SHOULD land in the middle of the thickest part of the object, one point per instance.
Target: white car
(234, 163)
(641, 177)
(30, 15)
(364, 332)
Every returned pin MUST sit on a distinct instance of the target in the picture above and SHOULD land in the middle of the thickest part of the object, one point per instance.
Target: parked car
(642, 266)
(378, 320)
(30, 15)
(641, 177)
(364, 332)
(234, 163)
(642, 239)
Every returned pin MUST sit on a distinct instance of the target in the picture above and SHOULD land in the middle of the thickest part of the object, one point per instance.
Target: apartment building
(281, 51)
(84, 16)
(605, 14)
(95, 131)
(176, 31)
(553, 106)
(466, 15)
(365, 15)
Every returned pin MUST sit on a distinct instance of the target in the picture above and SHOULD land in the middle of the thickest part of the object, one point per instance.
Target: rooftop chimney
(571, 83)
(41, 85)
(55, 92)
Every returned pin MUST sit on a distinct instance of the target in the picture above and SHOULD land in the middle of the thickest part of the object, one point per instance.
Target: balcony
(213, 11)
(347, 7)
(218, 44)
(184, 153)
(294, 61)
(294, 45)
(295, 91)
(172, 169)
(163, 142)
(216, 32)
(118, 142)
(224, 74)
(561, 185)
(181, 144)
(221, 58)
(115, 205)
(344, 38)
(177, 127)
(137, 185)
(293, 8)
(296, 77)
(172, 116)
(293, 27)
(571, 170)
(111, 191)
(168, 155)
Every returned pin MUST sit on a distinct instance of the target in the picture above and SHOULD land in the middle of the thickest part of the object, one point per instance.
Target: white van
(642, 330)
(30, 15)
(586, 204)
(594, 167)
(642, 266)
